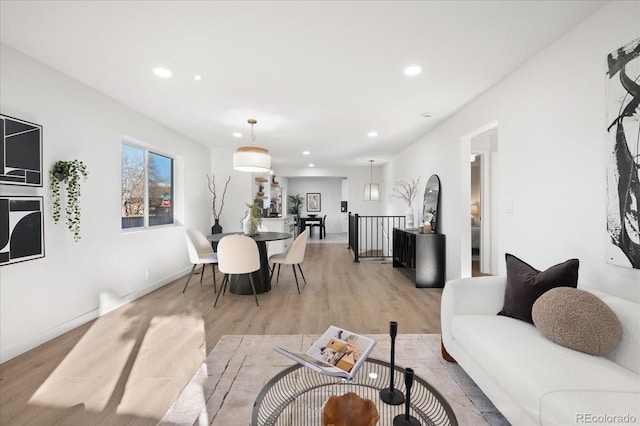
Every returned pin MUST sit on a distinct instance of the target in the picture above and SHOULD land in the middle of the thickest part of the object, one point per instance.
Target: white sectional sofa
(530, 379)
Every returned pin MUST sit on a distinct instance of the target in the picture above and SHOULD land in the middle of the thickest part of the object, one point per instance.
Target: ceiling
(317, 76)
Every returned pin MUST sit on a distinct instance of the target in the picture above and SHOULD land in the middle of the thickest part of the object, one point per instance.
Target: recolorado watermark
(590, 418)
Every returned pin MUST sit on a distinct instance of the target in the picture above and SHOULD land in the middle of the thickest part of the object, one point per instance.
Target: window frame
(147, 149)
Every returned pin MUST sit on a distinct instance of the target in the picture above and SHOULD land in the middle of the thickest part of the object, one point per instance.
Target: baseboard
(12, 351)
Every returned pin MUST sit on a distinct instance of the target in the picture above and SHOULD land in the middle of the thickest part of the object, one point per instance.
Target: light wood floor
(127, 367)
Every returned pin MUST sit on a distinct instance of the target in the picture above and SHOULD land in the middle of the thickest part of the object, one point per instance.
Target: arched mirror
(431, 201)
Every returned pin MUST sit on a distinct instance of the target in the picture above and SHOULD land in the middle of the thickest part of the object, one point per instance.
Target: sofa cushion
(577, 319)
(525, 284)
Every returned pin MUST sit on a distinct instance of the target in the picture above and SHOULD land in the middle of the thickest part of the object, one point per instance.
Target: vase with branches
(407, 191)
(217, 228)
(71, 173)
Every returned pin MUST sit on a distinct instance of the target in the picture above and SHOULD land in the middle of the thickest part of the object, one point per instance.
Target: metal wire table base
(296, 396)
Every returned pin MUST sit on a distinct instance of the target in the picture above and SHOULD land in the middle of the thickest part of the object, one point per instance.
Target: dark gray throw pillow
(525, 284)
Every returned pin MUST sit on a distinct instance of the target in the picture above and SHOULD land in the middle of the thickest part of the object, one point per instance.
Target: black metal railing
(372, 236)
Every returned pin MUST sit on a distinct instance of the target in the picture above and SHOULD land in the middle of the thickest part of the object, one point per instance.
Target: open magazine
(337, 353)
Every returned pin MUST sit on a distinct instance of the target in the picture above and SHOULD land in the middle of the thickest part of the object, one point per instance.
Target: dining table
(310, 221)
(241, 284)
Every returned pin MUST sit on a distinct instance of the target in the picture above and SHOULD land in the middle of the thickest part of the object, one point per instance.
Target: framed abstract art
(623, 156)
(20, 152)
(21, 229)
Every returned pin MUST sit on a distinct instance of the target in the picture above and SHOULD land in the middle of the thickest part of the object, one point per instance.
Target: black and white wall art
(623, 155)
(20, 152)
(21, 229)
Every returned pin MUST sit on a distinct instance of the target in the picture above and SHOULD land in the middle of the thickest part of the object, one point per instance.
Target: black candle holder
(391, 395)
(405, 419)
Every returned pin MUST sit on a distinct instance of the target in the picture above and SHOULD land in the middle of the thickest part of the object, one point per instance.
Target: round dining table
(241, 284)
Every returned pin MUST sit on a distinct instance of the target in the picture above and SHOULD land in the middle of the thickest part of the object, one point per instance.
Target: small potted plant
(69, 172)
(252, 220)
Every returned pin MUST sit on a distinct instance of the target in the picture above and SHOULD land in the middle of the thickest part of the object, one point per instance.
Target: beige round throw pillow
(577, 319)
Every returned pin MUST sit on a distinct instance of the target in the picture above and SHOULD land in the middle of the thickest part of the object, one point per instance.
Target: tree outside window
(147, 188)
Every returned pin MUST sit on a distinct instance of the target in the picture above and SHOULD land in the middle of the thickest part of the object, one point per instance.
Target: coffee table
(296, 395)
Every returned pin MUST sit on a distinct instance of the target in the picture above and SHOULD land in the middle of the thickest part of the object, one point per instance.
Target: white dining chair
(200, 253)
(295, 256)
(237, 254)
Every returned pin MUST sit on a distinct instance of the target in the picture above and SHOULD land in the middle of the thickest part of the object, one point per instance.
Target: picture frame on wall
(313, 201)
(20, 152)
(21, 229)
(623, 132)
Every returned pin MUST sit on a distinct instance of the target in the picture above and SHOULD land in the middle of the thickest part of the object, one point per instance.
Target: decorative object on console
(577, 319)
(217, 228)
(391, 395)
(252, 220)
(407, 191)
(525, 284)
(313, 201)
(21, 229)
(623, 183)
(252, 158)
(69, 172)
(371, 190)
(21, 146)
(431, 202)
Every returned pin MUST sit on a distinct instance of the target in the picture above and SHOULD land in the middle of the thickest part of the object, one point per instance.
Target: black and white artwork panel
(623, 155)
(21, 229)
(20, 152)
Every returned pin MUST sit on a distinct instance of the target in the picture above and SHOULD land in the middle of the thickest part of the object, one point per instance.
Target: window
(147, 188)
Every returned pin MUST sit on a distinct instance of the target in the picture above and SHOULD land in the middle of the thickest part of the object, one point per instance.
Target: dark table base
(241, 284)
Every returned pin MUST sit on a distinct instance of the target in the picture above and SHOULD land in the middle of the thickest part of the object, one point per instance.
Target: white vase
(246, 225)
(409, 218)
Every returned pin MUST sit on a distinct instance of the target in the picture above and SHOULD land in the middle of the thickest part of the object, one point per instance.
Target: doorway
(483, 164)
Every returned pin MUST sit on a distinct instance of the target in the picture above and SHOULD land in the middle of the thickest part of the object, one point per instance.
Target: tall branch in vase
(407, 191)
(217, 212)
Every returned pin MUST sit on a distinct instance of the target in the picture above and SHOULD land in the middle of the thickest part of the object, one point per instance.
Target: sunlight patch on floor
(111, 364)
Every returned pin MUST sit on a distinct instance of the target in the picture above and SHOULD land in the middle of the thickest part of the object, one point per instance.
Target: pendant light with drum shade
(371, 190)
(252, 158)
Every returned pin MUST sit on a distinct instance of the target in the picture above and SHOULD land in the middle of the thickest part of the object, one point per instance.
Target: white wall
(551, 119)
(75, 282)
(240, 191)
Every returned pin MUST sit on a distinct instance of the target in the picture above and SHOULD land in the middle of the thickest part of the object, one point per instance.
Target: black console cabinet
(422, 254)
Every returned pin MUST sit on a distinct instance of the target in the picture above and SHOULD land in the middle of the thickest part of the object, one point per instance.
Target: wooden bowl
(349, 410)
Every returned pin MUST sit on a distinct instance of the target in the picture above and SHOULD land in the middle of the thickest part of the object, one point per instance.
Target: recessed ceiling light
(305, 153)
(372, 134)
(197, 77)
(162, 72)
(237, 135)
(311, 165)
(412, 70)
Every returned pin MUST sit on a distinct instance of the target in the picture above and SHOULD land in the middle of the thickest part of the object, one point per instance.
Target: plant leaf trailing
(70, 172)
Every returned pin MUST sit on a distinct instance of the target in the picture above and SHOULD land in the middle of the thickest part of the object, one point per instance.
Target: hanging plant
(70, 173)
